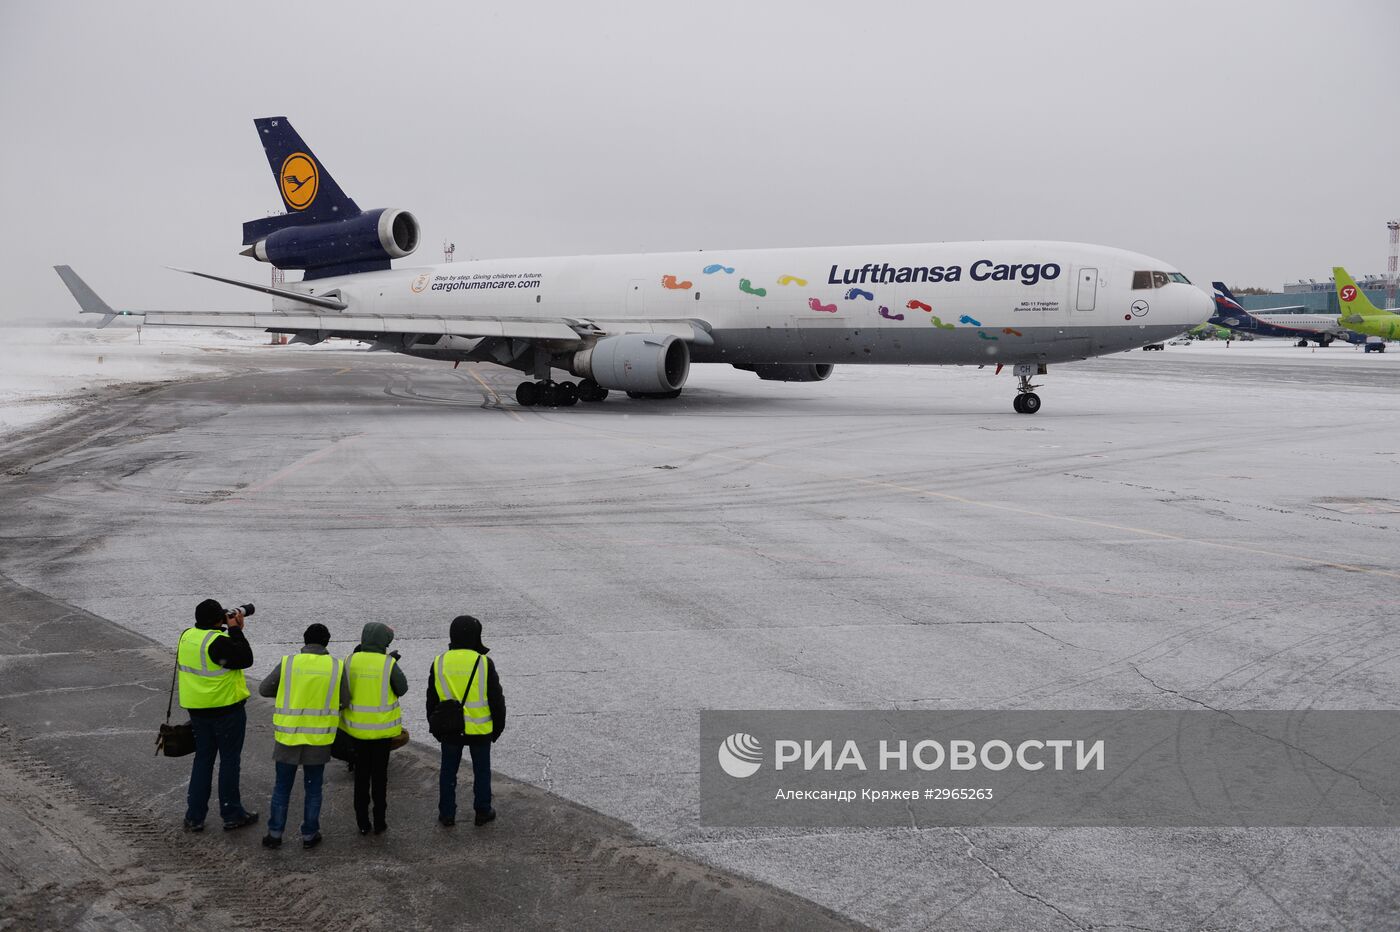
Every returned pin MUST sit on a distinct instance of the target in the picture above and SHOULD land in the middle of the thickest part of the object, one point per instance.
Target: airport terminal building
(1313, 296)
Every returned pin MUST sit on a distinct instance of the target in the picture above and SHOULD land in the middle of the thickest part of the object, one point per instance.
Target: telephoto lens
(248, 609)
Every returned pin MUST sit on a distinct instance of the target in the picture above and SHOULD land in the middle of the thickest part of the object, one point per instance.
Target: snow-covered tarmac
(1202, 526)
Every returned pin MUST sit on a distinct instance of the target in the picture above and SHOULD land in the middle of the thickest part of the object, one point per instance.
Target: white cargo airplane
(636, 322)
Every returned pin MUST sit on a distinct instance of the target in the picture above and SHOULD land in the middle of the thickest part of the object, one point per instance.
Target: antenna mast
(1392, 264)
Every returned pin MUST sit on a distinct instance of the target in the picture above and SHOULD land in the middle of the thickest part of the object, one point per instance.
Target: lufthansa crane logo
(419, 283)
(1349, 293)
(1139, 308)
(300, 179)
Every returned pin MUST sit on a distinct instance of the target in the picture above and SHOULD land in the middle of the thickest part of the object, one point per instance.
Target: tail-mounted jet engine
(375, 237)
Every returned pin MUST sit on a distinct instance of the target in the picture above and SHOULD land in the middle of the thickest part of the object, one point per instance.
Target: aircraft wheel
(1030, 403)
(1302, 342)
(549, 394)
(527, 394)
(591, 391)
(566, 394)
(1016, 404)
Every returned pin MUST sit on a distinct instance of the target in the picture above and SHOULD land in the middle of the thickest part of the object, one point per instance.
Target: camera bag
(174, 740)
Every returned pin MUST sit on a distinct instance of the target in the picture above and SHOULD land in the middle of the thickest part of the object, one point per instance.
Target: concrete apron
(94, 838)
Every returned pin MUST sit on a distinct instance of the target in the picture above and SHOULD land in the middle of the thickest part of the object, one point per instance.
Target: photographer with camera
(210, 661)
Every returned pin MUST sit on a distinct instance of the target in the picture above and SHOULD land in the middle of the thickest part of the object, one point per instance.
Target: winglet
(1351, 299)
(88, 301)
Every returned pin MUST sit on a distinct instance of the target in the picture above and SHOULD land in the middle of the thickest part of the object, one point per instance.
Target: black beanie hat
(209, 613)
(317, 633)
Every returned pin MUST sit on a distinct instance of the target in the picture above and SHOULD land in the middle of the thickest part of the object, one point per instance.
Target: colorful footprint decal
(712, 269)
(816, 305)
(747, 288)
(938, 322)
(968, 320)
(857, 293)
(1012, 331)
(669, 281)
(792, 280)
(918, 306)
(885, 313)
(983, 335)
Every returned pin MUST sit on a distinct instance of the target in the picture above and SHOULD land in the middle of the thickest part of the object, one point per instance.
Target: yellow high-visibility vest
(203, 683)
(374, 709)
(451, 670)
(307, 708)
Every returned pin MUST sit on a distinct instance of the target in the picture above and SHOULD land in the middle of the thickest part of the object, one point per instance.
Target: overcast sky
(1254, 142)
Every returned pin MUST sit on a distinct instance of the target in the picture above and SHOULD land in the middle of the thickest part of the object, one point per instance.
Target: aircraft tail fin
(1227, 307)
(1351, 300)
(309, 192)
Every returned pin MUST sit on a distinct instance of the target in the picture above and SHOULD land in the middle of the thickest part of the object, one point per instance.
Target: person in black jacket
(465, 634)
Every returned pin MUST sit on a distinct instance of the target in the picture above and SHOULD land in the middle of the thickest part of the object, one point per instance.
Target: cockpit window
(1157, 279)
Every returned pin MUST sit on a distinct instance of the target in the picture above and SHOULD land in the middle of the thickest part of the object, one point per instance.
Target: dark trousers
(481, 777)
(371, 778)
(218, 736)
(312, 775)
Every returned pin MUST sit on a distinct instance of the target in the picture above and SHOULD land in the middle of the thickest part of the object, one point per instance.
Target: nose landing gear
(1027, 401)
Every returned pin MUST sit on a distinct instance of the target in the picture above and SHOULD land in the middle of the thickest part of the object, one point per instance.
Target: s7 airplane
(636, 322)
(1359, 313)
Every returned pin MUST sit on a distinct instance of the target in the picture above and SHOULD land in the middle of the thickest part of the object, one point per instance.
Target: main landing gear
(548, 394)
(1027, 401)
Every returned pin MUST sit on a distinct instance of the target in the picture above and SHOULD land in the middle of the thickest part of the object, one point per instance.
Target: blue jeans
(481, 778)
(282, 798)
(221, 736)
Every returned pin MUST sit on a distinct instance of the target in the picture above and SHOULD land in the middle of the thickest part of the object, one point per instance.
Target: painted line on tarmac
(283, 473)
(999, 506)
(495, 394)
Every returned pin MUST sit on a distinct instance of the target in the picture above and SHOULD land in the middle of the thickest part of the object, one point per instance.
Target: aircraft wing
(559, 329)
(340, 323)
(322, 318)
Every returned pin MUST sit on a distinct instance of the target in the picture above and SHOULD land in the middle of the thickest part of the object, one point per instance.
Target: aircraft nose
(1197, 307)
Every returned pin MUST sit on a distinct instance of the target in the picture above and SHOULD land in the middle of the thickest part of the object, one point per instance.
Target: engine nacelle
(635, 362)
(784, 372)
(373, 236)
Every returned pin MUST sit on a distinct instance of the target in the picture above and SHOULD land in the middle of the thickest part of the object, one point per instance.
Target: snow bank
(47, 370)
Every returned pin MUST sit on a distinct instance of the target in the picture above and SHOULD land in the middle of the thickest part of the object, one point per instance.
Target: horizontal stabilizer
(328, 303)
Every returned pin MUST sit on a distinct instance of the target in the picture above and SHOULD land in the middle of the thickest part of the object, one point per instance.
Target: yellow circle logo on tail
(300, 179)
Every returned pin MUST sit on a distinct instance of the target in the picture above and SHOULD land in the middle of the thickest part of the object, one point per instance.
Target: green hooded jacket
(375, 639)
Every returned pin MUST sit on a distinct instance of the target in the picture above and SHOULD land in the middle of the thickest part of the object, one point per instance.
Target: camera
(247, 610)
